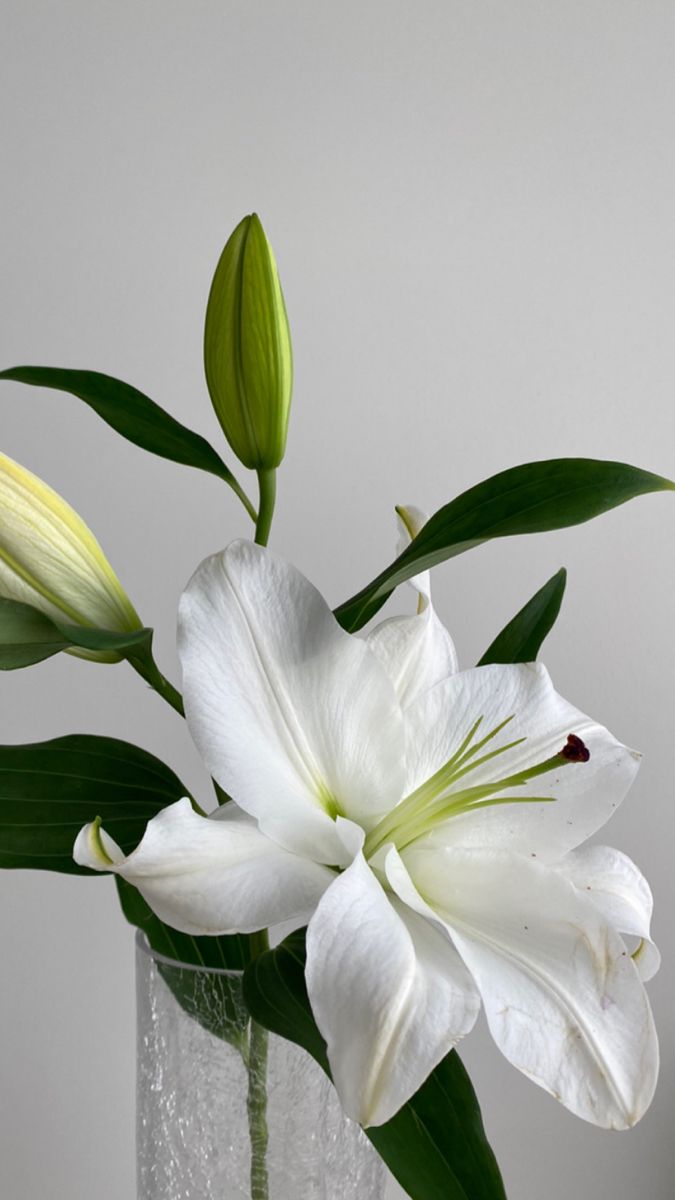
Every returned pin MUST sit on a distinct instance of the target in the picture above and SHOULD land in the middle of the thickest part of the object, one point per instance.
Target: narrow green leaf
(532, 498)
(49, 790)
(28, 636)
(435, 1145)
(521, 639)
(130, 413)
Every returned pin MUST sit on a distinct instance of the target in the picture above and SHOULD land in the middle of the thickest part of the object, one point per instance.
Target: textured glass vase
(226, 1111)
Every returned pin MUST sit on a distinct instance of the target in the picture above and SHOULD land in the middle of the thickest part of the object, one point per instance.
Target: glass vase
(226, 1110)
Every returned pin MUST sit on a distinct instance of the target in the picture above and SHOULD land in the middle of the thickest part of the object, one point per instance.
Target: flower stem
(267, 481)
(256, 1102)
(149, 671)
(256, 1105)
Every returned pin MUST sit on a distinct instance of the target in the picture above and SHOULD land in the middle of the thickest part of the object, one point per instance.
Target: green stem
(257, 1111)
(267, 482)
(149, 671)
(256, 1102)
(258, 1049)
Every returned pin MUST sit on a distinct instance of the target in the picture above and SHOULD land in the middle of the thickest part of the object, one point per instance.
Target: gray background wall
(472, 207)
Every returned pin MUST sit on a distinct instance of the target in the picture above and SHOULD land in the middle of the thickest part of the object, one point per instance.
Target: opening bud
(247, 349)
(51, 560)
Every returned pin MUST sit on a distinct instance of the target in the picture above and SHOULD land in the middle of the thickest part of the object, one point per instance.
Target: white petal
(388, 992)
(620, 892)
(586, 794)
(416, 652)
(647, 959)
(562, 996)
(211, 875)
(294, 717)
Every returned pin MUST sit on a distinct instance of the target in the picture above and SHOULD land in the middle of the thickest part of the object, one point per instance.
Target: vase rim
(144, 946)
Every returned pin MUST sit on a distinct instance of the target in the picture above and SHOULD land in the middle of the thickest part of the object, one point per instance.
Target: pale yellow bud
(52, 561)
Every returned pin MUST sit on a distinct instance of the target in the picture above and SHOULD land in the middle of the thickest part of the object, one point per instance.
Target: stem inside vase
(225, 1108)
(256, 1104)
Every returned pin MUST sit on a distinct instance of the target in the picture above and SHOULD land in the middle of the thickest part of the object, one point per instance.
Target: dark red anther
(575, 750)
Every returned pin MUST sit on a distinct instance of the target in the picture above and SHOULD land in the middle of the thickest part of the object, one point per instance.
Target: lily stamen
(425, 808)
(441, 780)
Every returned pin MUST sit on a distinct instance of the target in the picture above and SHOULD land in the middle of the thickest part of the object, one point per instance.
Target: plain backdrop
(472, 209)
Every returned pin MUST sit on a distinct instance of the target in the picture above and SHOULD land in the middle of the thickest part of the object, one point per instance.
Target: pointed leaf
(130, 413)
(521, 639)
(435, 1145)
(531, 498)
(49, 790)
(28, 636)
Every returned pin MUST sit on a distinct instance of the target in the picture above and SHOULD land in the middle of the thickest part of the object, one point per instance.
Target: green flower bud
(51, 560)
(247, 349)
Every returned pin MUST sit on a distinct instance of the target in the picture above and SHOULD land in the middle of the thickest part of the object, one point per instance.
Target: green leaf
(130, 413)
(532, 498)
(29, 636)
(275, 991)
(49, 790)
(435, 1145)
(521, 639)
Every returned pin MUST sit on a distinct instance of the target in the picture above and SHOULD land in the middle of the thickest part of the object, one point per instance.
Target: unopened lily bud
(247, 348)
(52, 561)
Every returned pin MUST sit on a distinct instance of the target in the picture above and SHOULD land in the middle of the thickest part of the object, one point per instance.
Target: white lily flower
(434, 872)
